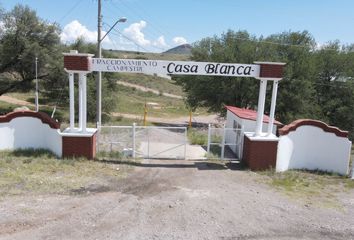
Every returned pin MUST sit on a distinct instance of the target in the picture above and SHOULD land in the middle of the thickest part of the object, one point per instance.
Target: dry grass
(314, 187)
(39, 172)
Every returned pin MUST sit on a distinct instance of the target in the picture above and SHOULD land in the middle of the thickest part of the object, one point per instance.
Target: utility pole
(99, 55)
(36, 98)
(99, 74)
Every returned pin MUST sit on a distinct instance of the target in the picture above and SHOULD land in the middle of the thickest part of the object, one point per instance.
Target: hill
(185, 49)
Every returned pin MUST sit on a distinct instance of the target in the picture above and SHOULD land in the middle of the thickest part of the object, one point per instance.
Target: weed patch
(40, 172)
(312, 186)
(197, 138)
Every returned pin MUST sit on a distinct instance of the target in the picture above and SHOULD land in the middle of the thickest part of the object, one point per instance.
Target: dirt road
(9, 99)
(146, 89)
(196, 120)
(176, 200)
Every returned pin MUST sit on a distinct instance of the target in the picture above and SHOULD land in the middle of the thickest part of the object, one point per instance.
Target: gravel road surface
(176, 200)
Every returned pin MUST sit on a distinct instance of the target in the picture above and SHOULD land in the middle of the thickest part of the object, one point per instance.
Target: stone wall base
(260, 154)
(79, 146)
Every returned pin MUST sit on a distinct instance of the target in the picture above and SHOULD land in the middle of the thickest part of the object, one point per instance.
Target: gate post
(134, 125)
(148, 137)
(272, 107)
(81, 141)
(72, 101)
(209, 133)
(223, 143)
(185, 143)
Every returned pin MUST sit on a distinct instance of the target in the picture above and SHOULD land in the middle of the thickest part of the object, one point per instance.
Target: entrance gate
(144, 142)
(82, 64)
(225, 143)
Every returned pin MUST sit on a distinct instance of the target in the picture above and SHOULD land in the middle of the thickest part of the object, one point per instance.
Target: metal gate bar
(128, 139)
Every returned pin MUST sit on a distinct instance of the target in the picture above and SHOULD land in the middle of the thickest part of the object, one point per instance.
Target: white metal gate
(144, 142)
(225, 143)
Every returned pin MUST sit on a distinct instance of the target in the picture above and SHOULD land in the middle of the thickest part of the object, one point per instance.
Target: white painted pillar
(272, 107)
(260, 108)
(72, 101)
(80, 102)
(209, 138)
(84, 102)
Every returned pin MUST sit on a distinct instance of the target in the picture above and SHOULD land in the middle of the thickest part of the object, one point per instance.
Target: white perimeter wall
(309, 147)
(29, 132)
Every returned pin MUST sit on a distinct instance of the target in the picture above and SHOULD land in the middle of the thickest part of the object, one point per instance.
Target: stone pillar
(82, 77)
(80, 103)
(260, 153)
(260, 108)
(269, 71)
(72, 101)
(272, 108)
(81, 141)
(260, 150)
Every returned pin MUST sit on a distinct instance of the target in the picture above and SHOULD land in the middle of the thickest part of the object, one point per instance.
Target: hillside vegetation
(146, 55)
(160, 84)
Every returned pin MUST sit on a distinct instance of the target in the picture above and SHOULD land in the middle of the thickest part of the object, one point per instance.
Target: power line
(135, 13)
(156, 32)
(70, 10)
(119, 33)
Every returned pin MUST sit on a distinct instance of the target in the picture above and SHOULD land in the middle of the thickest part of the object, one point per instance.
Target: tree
(24, 37)
(297, 95)
(335, 84)
(215, 92)
(296, 91)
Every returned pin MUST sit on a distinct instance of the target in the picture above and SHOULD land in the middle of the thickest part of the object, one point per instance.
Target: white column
(260, 108)
(134, 126)
(209, 138)
(84, 102)
(72, 101)
(80, 102)
(272, 107)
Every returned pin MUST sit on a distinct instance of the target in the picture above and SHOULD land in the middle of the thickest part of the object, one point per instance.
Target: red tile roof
(249, 114)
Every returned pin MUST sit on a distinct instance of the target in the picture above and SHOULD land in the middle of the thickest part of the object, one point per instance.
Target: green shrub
(197, 138)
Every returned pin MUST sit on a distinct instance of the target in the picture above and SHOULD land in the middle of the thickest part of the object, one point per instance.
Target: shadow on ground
(200, 165)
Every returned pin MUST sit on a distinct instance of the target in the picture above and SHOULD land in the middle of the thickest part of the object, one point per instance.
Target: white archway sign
(77, 63)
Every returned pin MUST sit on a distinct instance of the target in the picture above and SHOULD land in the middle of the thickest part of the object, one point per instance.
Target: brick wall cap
(270, 63)
(263, 138)
(315, 123)
(79, 54)
(40, 115)
(77, 132)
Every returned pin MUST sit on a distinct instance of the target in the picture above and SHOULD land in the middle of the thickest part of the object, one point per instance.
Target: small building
(243, 120)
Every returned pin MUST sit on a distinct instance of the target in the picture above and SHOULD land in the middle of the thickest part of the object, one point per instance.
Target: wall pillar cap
(263, 137)
(273, 71)
(269, 63)
(75, 53)
(77, 132)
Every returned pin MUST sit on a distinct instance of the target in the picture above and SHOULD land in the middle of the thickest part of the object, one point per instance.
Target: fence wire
(144, 142)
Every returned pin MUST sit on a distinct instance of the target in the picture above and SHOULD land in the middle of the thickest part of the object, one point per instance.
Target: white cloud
(134, 31)
(179, 40)
(75, 30)
(160, 42)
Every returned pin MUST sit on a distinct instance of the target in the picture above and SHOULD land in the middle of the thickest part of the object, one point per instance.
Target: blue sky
(157, 25)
